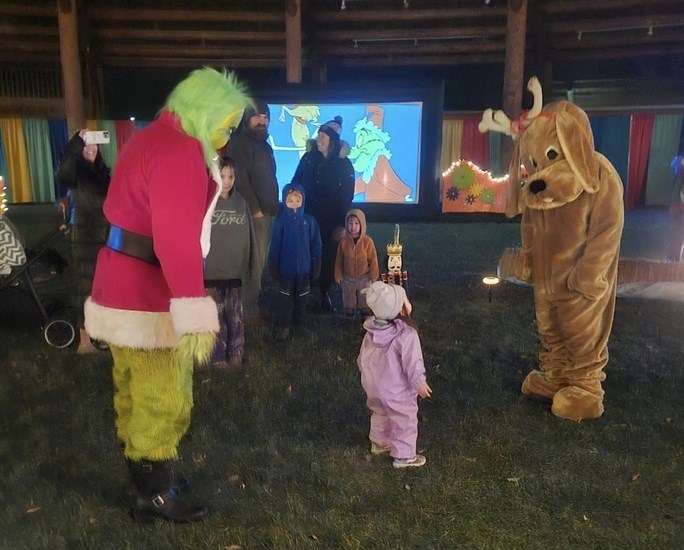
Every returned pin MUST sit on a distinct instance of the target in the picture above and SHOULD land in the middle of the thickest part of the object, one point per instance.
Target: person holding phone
(85, 177)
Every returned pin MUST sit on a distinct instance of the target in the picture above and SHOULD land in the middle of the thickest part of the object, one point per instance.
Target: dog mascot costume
(148, 300)
(572, 217)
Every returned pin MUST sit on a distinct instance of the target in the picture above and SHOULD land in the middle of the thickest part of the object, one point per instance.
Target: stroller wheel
(59, 333)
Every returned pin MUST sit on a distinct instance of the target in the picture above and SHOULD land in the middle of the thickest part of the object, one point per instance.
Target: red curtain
(124, 130)
(639, 146)
(475, 144)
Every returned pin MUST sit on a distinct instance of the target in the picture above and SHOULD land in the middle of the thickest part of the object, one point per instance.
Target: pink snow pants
(394, 421)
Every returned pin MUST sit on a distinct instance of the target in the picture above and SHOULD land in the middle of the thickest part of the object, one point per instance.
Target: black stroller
(19, 299)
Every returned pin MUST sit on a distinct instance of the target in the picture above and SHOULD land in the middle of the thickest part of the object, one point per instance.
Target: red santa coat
(160, 189)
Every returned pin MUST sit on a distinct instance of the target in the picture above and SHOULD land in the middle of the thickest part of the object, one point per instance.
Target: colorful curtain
(452, 131)
(640, 133)
(37, 134)
(31, 150)
(123, 129)
(18, 172)
(611, 138)
(475, 144)
(664, 147)
(495, 155)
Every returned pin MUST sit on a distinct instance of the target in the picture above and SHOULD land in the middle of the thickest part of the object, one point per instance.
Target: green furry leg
(152, 401)
(196, 347)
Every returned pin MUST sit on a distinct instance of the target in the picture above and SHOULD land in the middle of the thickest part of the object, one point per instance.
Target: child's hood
(383, 335)
(360, 216)
(294, 187)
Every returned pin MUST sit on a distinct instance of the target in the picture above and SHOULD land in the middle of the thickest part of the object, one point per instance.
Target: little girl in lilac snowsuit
(392, 374)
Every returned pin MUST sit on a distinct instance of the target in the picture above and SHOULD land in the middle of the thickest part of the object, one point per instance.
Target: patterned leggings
(231, 336)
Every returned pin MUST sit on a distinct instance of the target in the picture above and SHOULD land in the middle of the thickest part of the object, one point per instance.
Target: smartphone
(96, 137)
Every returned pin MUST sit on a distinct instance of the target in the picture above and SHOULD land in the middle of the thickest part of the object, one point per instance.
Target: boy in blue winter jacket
(294, 260)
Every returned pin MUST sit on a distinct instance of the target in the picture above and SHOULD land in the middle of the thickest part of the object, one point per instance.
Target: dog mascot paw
(571, 202)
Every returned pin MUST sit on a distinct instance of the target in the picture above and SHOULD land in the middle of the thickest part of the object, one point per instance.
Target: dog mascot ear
(577, 141)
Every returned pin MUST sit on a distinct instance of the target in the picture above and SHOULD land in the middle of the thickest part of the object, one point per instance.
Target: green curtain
(664, 146)
(37, 136)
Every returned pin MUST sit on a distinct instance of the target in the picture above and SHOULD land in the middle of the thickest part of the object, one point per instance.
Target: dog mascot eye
(551, 153)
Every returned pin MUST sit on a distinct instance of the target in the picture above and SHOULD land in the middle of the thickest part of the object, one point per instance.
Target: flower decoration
(462, 177)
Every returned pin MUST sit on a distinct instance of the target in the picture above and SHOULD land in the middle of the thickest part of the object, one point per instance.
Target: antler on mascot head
(498, 121)
(223, 100)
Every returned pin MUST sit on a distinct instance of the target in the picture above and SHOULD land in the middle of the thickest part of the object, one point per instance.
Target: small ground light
(490, 281)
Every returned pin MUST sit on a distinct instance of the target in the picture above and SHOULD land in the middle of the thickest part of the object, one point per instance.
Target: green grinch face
(366, 146)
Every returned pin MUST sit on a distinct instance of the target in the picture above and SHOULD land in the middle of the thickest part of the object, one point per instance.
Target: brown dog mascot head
(555, 147)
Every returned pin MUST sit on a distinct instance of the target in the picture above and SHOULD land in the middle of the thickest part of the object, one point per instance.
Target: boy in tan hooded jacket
(356, 263)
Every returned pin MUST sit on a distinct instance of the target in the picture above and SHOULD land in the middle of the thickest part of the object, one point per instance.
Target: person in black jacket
(327, 176)
(255, 180)
(86, 176)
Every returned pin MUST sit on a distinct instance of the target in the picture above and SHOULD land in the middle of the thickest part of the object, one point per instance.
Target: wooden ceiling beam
(34, 46)
(148, 50)
(27, 10)
(615, 23)
(418, 61)
(587, 6)
(109, 33)
(109, 14)
(187, 62)
(606, 41)
(335, 17)
(370, 35)
(419, 49)
(7, 29)
(618, 53)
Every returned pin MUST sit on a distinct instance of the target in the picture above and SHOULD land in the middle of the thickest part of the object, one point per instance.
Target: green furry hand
(196, 347)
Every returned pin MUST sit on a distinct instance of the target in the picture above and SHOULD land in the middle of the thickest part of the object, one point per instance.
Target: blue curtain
(611, 138)
(667, 130)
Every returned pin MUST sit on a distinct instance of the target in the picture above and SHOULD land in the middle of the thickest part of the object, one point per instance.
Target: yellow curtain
(452, 132)
(17, 159)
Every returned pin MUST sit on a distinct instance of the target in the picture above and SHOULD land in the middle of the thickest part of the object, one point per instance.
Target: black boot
(156, 498)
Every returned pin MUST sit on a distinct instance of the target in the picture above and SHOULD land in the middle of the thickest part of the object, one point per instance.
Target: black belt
(132, 244)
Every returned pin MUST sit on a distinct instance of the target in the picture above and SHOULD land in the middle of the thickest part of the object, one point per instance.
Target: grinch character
(572, 219)
(148, 300)
(395, 275)
(371, 157)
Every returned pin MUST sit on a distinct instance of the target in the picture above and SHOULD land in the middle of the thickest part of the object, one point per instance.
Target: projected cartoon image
(370, 156)
(302, 116)
(383, 139)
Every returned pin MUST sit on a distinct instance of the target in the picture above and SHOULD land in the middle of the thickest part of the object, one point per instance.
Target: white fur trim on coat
(205, 238)
(194, 315)
(130, 329)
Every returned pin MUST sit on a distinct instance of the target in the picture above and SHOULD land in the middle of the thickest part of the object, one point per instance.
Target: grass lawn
(279, 450)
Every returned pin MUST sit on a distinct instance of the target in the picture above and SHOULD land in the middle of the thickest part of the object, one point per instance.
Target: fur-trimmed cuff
(194, 315)
(129, 329)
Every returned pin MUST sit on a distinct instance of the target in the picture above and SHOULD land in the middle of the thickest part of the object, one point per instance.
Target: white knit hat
(385, 300)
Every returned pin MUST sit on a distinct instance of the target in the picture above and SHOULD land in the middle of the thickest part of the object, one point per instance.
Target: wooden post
(71, 65)
(514, 70)
(293, 38)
